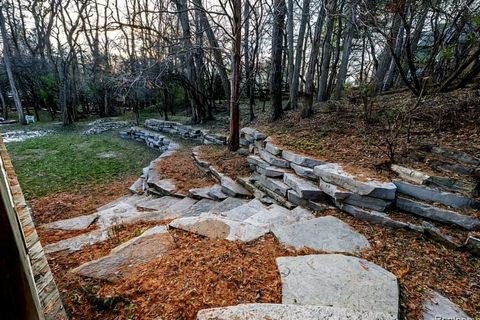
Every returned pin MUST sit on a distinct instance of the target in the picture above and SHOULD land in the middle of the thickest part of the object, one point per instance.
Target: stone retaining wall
(292, 179)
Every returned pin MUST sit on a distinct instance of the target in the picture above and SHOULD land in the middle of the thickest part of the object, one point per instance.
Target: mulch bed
(230, 163)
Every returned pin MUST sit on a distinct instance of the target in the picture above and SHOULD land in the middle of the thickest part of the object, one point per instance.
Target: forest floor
(65, 177)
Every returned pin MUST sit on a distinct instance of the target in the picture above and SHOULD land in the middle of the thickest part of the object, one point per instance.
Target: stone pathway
(320, 286)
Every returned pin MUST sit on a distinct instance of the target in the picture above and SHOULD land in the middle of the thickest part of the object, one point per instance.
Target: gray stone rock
(376, 217)
(274, 185)
(301, 160)
(158, 204)
(77, 223)
(469, 188)
(179, 208)
(273, 160)
(232, 188)
(333, 173)
(436, 234)
(325, 233)
(276, 215)
(302, 214)
(279, 199)
(437, 307)
(428, 194)
(244, 211)
(337, 193)
(219, 228)
(201, 193)
(78, 242)
(126, 258)
(228, 204)
(295, 198)
(266, 311)
(473, 245)
(275, 172)
(116, 215)
(304, 172)
(164, 186)
(257, 161)
(437, 214)
(216, 193)
(304, 188)
(201, 206)
(366, 202)
(270, 147)
(137, 186)
(338, 281)
(456, 155)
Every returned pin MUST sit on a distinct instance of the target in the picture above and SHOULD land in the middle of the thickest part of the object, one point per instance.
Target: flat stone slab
(219, 228)
(267, 311)
(158, 204)
(437, 307)
(333, 173)
(301, 160)
(257, 161)
(410, 174)
(201, 206)
(434, 213)
(324, 234)
(165, 186)
(201, 193)
(116, 215)
(179, 208)
(233, 188)
(124, 259)
(338, 281)
(78, 242)
(137, 186)
(304, 188)
(304, 172)
(273, 160)
(77, 223)
(216, 193)
(228, 204)
(244, 211)
(275, 215)
(270, 147)
(275, 185)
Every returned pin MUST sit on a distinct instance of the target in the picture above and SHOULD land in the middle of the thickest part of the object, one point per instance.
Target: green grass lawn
(67, 161)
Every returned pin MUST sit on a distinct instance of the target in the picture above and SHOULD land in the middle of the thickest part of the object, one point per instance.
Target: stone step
(295, 198)
(437, 214)
(201, 206)
(257, 161)
(334, 174)
(301, 160)
(325, 233)
(158, 204)
(469, 188)
(219, 228)
(273, 160)
(78, 242)
(241, 213)
(339, 281)
(341, 195)
(275, 215)
(304, 188)
(433, 195)
(233, 188)
(410, 174)
(264, 311)
(304, 172)
(207, 192)
(272, 172)
(456, 155)
(77, 223)
(164, 186)
(274, 150)
(125, 259)
(275, 185)
(228, 204)
(179, 208)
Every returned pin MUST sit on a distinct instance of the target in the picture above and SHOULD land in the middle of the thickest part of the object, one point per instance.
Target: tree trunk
(307, 109)
(8, 67)
(4, 106)
(290, 41)
(246, 48)
(277, 46)
(322, 85)
(299, 55)
(347, 48)
(234, 139)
